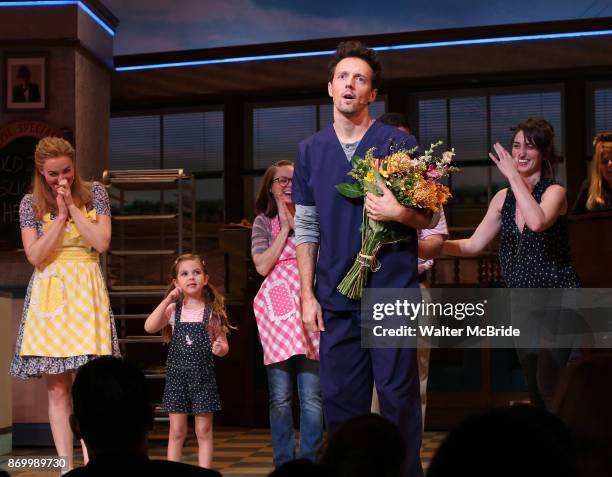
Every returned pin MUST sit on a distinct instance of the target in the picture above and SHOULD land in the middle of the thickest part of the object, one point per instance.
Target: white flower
(447, 157)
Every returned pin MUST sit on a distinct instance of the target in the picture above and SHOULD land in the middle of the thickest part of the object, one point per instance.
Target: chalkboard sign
(18, 141)
(16, 168)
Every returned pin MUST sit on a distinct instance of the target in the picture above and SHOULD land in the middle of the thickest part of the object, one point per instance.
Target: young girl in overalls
(66, 321)
(192, 317)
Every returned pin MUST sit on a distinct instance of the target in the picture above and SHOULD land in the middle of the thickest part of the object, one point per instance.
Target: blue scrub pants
(347, 372)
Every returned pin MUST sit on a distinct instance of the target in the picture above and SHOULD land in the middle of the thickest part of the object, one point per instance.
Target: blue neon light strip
(479, 41)
(96, 18)
(46, 3)
(501, 39)
(239, 59)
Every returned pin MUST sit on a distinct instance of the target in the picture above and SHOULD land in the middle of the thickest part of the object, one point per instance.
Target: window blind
(277, 132)
(194, 141)
(135, 142)
(603, 110)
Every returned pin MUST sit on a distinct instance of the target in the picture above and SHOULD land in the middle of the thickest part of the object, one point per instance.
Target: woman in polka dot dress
(534, 249)
(193, 318)
(290, 352)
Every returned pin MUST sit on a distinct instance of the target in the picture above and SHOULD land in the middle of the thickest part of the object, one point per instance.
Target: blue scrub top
(321, 164)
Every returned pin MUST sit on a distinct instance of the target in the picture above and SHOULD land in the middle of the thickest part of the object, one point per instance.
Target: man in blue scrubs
(328, 237)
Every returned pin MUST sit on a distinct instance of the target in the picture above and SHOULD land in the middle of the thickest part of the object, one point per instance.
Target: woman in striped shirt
(289, 350)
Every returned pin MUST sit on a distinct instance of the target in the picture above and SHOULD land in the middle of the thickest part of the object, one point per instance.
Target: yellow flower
(400, 157)
(370, 176)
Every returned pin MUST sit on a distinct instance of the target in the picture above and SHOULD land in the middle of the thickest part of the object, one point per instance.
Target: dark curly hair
(356, 49)
(540, 133)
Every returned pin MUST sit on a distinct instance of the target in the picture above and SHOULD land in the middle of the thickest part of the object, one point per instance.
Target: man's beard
(349, 110)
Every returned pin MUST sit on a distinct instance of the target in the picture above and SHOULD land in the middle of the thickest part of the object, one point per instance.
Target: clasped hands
(285, 217)
(63, 199)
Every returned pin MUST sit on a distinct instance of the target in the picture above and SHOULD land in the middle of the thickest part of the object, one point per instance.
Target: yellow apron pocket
(48, 295)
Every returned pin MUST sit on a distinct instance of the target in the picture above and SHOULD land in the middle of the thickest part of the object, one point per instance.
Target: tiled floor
(239, 452)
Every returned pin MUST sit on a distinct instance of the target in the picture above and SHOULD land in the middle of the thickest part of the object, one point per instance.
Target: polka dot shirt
(535, 259)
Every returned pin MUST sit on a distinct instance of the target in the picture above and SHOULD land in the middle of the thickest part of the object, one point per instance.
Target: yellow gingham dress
(69, 308)
(67, 318)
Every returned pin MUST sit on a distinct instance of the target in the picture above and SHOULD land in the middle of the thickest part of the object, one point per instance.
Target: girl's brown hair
(603, 144)
(219, 323)
(44, 196)
(265, 202)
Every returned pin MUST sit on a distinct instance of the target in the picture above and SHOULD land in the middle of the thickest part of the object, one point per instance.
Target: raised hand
(174, 295)
(504, 161)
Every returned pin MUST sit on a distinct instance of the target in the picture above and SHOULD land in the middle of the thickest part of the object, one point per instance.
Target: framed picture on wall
(25, 80)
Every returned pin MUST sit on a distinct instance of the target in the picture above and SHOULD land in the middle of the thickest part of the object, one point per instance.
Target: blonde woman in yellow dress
(65, 225)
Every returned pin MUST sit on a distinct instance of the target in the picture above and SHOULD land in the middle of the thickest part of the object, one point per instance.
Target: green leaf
(351, 190)
(372, 188)
(376, 179)
(355, 161)
(376, 226)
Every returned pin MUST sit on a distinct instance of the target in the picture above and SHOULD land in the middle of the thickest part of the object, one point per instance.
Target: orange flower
(443, 193)
(425, 195)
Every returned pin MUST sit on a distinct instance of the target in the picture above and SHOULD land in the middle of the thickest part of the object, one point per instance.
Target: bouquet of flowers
(413, 182)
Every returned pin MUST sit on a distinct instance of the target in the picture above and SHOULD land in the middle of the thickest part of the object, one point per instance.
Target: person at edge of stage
(596, 192)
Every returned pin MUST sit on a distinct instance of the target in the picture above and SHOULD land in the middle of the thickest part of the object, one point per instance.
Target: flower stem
(355, 280)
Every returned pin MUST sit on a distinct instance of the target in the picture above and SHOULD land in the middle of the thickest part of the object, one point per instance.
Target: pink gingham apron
(277, 309)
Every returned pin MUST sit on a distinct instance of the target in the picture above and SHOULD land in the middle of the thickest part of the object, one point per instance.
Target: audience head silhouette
(364, 446)
(300, 468)
(519, 440)
(112, 409)
(113, 414)
(583, 403)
